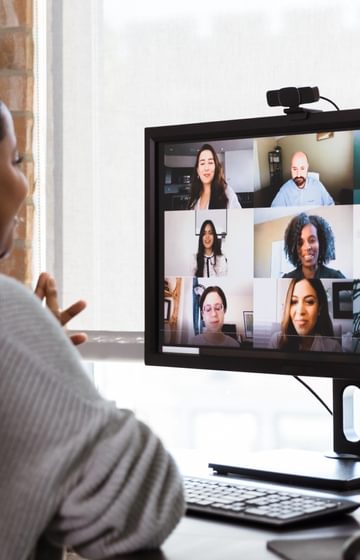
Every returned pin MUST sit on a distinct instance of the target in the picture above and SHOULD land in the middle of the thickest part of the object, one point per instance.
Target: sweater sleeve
(73, 467)
(127, 495)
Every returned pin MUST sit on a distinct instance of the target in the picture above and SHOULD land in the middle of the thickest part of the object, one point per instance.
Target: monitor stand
(337, 470)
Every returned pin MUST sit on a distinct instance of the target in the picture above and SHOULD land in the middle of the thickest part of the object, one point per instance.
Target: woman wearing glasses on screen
(209, 260)
(213, 307)
(306, 323)
(309, 245)
(209, 189)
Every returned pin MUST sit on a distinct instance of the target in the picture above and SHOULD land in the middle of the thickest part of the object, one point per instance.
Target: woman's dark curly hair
(216, 248)
(218, 198)
(324, 233)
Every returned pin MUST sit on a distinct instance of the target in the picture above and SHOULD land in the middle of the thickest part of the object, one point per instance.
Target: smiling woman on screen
(309, 245)
(306, 323)
(209, 260)
(209, 190)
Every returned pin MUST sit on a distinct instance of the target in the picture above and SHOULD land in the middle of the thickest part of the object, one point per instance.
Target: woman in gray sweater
(74, 470)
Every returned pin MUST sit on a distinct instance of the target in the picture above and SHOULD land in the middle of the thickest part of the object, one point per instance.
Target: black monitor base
(297, 468)
(337, 470)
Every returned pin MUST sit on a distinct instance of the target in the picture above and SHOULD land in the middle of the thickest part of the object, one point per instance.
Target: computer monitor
(252, 256)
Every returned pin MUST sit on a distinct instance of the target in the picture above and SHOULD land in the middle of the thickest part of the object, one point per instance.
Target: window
(115, 69)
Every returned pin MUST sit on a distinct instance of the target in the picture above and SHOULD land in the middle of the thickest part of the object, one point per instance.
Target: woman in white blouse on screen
(209, 260)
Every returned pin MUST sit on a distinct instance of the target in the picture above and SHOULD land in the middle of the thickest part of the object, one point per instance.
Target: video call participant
(309, 244)
(209, 260)
(209, 189)
(306, 323)
(213, 307)
(302, 189)
(77, 471)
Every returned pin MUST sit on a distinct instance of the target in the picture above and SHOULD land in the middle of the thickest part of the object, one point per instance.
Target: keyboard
(259, 504)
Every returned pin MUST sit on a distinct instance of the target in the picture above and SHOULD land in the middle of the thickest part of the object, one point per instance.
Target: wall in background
(16, 90)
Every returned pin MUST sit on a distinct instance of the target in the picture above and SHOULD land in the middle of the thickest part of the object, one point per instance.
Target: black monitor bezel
(341, 366)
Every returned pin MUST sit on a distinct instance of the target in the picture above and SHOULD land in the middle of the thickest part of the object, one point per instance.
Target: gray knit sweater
(74, 470)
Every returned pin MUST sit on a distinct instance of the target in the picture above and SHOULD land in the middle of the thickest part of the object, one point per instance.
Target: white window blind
(115, 68)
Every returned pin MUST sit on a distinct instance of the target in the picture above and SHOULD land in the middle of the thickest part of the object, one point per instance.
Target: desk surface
(202, 539)
(199, 539)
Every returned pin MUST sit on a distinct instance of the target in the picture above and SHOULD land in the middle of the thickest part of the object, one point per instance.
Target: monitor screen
(252, 241)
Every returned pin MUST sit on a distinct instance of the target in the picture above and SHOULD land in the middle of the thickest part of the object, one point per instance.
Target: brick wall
(16, 90)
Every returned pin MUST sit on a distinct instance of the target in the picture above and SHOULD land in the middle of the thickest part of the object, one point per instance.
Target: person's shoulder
(232, 197)
(315, 183)
(275, 340)
(311, 179)
(281, 197)
(292, 274)
(326, 344)
(289, 184)
(196, 339)
(326, 272)
(11, 290)
(25, 318)
(11, 285)
(230, 341)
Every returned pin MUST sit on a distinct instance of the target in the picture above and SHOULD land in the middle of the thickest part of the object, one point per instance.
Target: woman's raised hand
(46, 290)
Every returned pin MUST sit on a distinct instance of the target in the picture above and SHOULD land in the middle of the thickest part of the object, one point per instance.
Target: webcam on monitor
(292, 98)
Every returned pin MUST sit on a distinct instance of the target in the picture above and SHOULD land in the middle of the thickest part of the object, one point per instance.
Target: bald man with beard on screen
(302, 189)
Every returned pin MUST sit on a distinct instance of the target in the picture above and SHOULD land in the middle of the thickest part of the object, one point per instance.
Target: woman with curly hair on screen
(309, 245)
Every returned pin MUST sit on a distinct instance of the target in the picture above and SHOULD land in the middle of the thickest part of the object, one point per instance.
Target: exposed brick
(29, 171)
(24, 10)
(17, 91)
(16, 49)
(19, 265)
(24, 129)
(14, 13)
(25, 229)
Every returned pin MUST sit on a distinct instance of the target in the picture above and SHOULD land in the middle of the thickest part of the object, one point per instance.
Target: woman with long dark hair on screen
(213, 306)
(209, 189)
(209, 260)
(75, 470)
(306, 323)
(309, 245)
